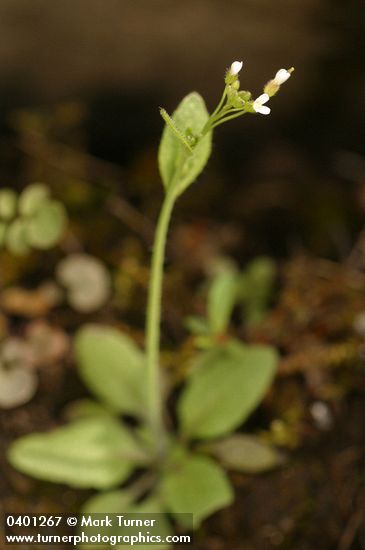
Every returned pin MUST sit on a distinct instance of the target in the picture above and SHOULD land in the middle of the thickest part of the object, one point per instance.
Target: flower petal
(281, 76)
(236, 67)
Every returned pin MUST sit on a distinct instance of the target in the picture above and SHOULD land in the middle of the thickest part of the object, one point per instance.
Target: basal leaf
(97, 452)
(178, 166)
(122, 503)
(113, 368)
(244, 453)
(226, 385)
(196, 485)
(221, 300)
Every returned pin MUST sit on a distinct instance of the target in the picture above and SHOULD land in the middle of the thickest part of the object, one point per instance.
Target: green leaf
(255, 288)
(221, 300)
(33, 196)
(84, 408)
(3, 228)
(17, 238)
(122, 503)
(110, 502)
(45, 227)
(152, 505)
(196, 485)
(244, 453)
(112, 367)
(97, 452)
(178, 166)
(8, 204)
(196, 325)
(226, 385)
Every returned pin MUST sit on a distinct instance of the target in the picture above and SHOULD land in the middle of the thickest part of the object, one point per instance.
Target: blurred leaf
(8, 204)
(196, 485)
(162, 528)
(46, 226)
(3, 228)
(17, 237)
(226, 385)
(112, 367)
(32, 198)
(196, 325)
(244, 453)
(221, 300)
(97, 452)
(87, 280)
(17, 386)
(121, 503)
(84, 408)
(255, 288)
(177, 165)
(111, 502)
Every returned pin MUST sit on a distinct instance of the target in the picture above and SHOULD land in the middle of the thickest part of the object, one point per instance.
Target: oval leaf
(221, 300)
(122, 503)
(112, 367)
(178, 166)
(245, 453)
(95, 452)
(8, 204)
(32, 198)
(16, 237)
(196, 485)
(227, 384)
(45, 227)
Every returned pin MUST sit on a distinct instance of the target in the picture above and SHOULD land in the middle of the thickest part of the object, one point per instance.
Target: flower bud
(236, 67)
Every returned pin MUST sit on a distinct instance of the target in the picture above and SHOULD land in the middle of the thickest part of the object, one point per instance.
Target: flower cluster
(236, 102)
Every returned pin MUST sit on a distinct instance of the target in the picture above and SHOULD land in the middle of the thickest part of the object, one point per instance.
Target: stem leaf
(179, 162)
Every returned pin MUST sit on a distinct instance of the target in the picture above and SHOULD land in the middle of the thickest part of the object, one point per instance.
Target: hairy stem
(153, 321)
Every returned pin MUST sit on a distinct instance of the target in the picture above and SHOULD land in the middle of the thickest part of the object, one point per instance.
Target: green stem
(231, 117)
(153, 320)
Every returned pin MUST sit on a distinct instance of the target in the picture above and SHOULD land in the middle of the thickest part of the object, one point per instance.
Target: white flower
(281, 76)
(259, 106)
(236, 67)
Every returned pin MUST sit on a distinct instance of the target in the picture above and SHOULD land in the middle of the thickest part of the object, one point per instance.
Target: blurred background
(81, 83)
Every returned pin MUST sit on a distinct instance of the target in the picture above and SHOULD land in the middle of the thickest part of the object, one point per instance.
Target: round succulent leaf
(245, 453)
(112, 367)
(17, 386)
(226, 384)
(95, 452)
(46, 226)
(8, 204)
(195, 485)
(32, 198)
(17, 237)
(87, 281)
